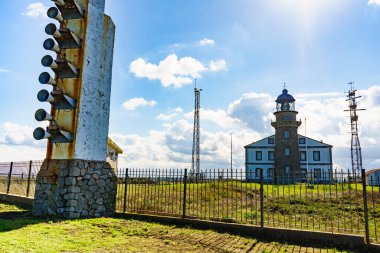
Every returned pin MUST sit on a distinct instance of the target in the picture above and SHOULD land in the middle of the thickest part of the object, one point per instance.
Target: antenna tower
(195, 171)
(356, 153)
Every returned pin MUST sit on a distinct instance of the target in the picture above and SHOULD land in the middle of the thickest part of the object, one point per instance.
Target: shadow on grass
(259, 244)
(13, 220)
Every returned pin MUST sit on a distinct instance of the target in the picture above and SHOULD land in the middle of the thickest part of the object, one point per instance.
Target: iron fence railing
(19, 178)
(337, 202)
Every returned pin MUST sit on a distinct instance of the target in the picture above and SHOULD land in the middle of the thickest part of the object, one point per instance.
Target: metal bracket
(65, 69)
(58, 135)
(68, 40)
(63, 101)
(71, 10)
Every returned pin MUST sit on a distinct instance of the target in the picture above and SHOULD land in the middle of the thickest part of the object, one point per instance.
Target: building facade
(373, 177)
(287, 156)
(113, 151)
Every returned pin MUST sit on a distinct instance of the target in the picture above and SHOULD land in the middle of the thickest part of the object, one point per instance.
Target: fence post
(184, 195)
(9, 178)
(28, 186)
(364, 183)
(125, 191)
(261, 198)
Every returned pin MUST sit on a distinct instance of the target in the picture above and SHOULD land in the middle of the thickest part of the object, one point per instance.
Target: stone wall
(75, 188)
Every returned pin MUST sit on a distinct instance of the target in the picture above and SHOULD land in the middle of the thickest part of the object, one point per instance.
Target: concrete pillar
(75, 180)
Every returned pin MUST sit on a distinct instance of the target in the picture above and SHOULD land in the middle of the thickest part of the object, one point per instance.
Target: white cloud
(206, 42)
(372, 96)
(178, 110)
(14, 134)
(373, 2)
(217, 65)
(168, 116)
(36, 10)
(254, 110)
(4, 70)
(172, 147)
(133, 103)
(219, 117)
(17, 143)
(10, 153)
(173, 71)
(170, 71)
(171, 115)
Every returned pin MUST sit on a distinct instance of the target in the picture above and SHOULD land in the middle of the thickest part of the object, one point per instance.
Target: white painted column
(94, 105)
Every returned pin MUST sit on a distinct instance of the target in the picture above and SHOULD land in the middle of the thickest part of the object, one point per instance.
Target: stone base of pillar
(75, 189)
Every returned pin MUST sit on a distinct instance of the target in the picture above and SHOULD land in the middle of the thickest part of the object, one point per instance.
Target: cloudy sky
(240, 51)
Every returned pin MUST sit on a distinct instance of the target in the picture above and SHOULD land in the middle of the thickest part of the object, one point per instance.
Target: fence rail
(18, 178)
(338, 202)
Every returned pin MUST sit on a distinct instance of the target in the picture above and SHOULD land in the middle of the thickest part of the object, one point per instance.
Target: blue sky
(241, 52)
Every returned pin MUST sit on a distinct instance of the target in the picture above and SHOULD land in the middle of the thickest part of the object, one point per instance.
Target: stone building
(288, 156)
(113, 151)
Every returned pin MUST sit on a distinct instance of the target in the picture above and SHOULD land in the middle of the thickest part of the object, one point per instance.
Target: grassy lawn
(19, 232)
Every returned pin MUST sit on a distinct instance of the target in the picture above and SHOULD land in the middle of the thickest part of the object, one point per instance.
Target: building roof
(285, 97)
(112, 144)
(271, 136)
(314, 140)
(371, 171)
(299, 135)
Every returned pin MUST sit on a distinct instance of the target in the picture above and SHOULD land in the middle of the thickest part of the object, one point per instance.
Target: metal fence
(338, 202)
(19, 178)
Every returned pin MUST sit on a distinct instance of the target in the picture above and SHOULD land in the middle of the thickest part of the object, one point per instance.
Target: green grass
(19, 232)
(6, 208)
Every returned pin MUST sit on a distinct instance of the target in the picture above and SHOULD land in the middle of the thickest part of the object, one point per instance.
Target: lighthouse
(286, 154)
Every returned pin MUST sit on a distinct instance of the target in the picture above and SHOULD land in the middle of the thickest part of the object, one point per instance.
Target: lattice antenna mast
(195, 165)
(356, 153)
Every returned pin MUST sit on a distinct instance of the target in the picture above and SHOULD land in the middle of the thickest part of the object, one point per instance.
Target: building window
(259, 155)
(317, 173)
(270, 140)
(287, 169)
(301, 141)
(258, 172)
(287, 151)
(271, 155)
(302, 155)
(316, 155)
(286, 134)
(270, 173)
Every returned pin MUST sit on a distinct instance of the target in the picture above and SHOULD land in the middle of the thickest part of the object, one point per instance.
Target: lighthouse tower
(287, 162)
